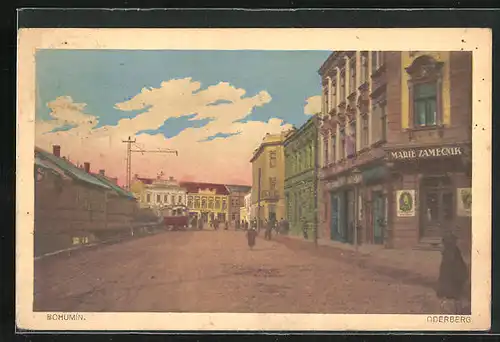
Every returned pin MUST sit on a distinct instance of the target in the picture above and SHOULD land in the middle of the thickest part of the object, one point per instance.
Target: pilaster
(347, 78)
(358, 114)
(370, 109)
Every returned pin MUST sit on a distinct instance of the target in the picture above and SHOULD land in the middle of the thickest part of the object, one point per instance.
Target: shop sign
(421, 153)
(406, 203)
(342, 181)
(464, 201)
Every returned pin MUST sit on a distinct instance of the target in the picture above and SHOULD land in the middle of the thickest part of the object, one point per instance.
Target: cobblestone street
(215, 271)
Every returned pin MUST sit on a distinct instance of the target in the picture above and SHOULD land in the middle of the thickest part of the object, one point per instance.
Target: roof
(68, 168)
(193, 187)
(145, 180)
(113, 186)
(239, 188)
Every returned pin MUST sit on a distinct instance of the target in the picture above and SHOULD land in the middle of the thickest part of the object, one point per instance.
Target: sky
(213, 107)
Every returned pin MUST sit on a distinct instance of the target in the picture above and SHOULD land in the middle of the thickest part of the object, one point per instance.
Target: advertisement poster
(464, 201)
(406, 203)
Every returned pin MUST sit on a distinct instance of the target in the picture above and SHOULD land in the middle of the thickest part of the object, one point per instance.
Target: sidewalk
(413, 265)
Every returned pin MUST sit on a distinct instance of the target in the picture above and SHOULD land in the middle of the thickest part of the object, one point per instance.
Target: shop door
(351, 215)
(437, 212)
(378, 215)
(334, 224)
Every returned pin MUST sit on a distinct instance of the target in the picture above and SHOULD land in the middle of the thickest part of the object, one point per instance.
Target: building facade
(236, 201)
(268, 178)
(73, 206)
(207, 201)
(164, 196)
(246, 210)
(396, 137)
(300, 177)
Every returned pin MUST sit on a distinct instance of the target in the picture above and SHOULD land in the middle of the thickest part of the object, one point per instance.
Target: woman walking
(251, 235)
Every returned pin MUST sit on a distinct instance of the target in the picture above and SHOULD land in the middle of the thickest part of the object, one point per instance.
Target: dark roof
(239, 188)
(193, 187)
(119, 190)
(145, 180)
(68, 168)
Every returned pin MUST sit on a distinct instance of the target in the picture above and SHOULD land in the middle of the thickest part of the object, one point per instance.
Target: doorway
(437, 209)
(378, 216)
(334, 225)
(350, 215)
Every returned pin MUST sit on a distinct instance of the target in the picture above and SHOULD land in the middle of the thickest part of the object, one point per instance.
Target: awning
(374, 174)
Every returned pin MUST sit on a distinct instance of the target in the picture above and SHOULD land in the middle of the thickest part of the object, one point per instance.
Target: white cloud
(219, 160)
(313, 105)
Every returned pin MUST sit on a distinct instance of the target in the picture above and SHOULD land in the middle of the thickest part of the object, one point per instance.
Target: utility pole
(129, 143)
(258, 200)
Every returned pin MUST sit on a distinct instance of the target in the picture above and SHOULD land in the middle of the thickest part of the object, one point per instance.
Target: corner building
(396, 133)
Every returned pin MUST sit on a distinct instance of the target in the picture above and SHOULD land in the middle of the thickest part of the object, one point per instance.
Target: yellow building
(268, 177)
(207, 201)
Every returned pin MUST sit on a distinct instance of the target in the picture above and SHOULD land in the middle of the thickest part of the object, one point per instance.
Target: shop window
(438, 205)
(424, 104)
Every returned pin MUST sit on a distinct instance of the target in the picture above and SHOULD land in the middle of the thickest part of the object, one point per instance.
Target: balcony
(271, 195)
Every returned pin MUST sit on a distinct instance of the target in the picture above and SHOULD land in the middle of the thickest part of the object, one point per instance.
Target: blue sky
(102, 78)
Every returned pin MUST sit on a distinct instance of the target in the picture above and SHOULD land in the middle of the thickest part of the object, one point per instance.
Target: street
(215, 271)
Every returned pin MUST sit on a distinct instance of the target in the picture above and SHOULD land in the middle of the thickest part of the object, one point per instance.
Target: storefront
(431, 194)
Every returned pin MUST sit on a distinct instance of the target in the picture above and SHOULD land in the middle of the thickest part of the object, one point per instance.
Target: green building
(300, 178)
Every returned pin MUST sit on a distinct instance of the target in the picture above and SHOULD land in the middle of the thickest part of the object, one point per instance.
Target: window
(342, 87)
(217, 203)
(272, 159)
(334, 94)
(211, 203)
(236, 201)
(204, 203)
(158, 198)
(325, 152)
(224, 205)
(424, 104)
(351, 142)
(190, 203)
(179, 199)
(342, 144)
(148, 198)
(172, 199)
(352, 78)
(364, 131)
(364, 67)
(233, 217)
(272, 183)
(377, 60)
(334, 148)
(197, 203)
(379, 122)
(165, 198)
(326, 100)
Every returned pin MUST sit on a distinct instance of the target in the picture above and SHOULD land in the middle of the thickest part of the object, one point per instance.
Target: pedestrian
(200, 224)
(304, 228)
(453, 274)
(226, 225)
(251, 235)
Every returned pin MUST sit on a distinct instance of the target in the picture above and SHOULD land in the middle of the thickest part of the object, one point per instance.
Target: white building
(164, 196)
(248, 207)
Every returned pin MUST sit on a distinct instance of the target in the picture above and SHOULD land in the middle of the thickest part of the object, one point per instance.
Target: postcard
(254, 179)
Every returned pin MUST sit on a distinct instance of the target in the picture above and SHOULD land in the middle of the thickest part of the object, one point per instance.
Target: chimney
(86, 167)
(56, 150)
(171, 178)
(102, 172)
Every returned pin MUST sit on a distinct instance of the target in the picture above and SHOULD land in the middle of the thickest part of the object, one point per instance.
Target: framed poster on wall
(405, 203)
(464, 201)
